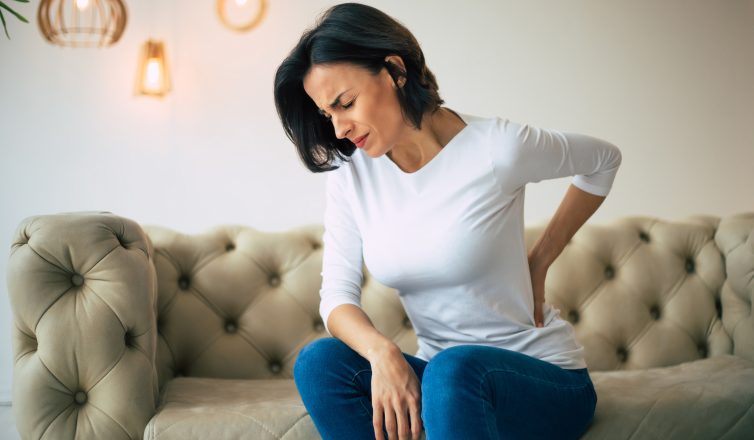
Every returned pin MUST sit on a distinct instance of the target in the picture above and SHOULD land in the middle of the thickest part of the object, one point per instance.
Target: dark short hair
(363, 36)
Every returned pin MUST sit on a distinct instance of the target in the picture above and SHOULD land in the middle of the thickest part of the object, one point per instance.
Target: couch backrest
(640, 291)
(643, 292)
(98, 298)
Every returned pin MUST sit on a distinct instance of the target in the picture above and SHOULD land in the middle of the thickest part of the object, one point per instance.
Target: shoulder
(503, 135)
(500, 128)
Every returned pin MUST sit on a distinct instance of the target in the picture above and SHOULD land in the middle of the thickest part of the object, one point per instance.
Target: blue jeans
(468, 392)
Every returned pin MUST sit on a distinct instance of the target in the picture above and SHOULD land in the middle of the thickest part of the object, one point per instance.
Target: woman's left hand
(538, 273)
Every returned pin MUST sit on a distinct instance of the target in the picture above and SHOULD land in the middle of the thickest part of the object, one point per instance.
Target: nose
(342, 127)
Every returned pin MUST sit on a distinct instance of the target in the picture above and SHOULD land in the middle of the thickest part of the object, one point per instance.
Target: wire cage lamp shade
(82, 23)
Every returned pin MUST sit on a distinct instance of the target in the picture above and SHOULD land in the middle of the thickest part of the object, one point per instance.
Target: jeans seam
(484, 409)
(353, 382)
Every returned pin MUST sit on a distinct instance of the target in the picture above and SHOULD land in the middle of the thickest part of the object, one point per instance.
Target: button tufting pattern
(77, 279)
(80, 397)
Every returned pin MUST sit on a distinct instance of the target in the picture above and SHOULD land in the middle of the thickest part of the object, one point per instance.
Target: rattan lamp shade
(82, 23)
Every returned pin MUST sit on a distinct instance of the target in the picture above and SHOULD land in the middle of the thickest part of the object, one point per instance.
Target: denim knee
(451, 366)
(316, 353)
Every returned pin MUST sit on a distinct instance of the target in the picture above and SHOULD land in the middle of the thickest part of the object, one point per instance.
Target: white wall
(669, 82)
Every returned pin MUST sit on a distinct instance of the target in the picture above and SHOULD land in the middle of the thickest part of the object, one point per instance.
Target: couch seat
(709, 398)
(656, 403)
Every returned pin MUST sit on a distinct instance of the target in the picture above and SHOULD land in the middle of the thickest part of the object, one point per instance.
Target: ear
(397, 61)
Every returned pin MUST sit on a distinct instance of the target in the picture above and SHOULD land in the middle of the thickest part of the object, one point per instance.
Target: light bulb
(154, 75)
(82, 4)
(241, 2)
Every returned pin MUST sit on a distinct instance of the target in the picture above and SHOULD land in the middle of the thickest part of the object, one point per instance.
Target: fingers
(390, 424)
(377, 421)
(404, 425)
(538, 313)
(416, 421)
(400, 424)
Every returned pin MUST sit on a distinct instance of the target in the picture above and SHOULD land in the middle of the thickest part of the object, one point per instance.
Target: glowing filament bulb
(154, 74)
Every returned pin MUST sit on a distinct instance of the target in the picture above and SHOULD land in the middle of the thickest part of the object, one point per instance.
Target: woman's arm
(577, 206)
(524, 153)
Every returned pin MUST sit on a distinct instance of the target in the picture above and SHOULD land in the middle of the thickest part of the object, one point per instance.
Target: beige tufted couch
(124, 330)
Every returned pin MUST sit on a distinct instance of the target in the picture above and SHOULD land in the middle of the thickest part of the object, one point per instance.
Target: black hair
(361, 35)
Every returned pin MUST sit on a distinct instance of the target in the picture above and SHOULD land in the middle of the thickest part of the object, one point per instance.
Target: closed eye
(343, 106)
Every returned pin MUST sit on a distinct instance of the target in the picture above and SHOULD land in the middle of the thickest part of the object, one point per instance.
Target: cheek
(386, 119)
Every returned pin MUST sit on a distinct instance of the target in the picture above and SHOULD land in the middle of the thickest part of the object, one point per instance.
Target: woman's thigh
(498, 393)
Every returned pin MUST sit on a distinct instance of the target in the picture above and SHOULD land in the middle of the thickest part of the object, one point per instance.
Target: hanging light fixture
(82, 23)
(244, 17)
(153, 76)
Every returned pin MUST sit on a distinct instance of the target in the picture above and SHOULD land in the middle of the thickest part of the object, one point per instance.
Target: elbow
(618, 156)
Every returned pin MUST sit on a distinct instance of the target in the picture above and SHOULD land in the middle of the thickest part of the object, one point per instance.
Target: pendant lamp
(153, 76)
(239, 15)
(82, 23)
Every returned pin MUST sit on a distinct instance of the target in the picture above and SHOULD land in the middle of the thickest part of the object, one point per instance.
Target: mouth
(360, 141)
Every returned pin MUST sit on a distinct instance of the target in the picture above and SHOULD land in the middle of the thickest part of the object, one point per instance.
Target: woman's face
(363, 104)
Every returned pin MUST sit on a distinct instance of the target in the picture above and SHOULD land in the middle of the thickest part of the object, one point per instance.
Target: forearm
(351, 325)
(575, 209)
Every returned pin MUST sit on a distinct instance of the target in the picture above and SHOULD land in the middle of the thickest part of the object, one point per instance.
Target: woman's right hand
(396, 395)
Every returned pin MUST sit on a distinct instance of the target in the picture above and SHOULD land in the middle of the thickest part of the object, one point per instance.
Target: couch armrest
(735, 239)
(83, 290)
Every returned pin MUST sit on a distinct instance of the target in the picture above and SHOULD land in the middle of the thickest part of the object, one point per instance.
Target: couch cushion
(209, 408)
(703, 399)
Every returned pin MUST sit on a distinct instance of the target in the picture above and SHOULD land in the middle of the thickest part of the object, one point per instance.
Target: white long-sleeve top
(450, 236)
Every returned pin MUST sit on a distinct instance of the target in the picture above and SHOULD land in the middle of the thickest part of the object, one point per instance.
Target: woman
(432, 200)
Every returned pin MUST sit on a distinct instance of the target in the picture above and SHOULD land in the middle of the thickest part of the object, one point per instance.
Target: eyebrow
(337, 98)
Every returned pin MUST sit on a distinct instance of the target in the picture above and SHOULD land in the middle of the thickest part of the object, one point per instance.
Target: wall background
(669, 82)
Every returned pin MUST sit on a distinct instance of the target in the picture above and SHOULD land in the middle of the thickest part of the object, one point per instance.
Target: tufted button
(622, 354)
(120, 240)
(183, 282)
(573, 316)
(655, 312)
(179, 372)
(80, 397)
(127, 338)
(407, 322)
(609, 272)
(319, 326)
(643, 236)
(315, 246)
(274, 280)
(229, 247)
(702, 351)
(275, 367)
(231, 327)
(77, 279)
(719, 308)
(689, 265)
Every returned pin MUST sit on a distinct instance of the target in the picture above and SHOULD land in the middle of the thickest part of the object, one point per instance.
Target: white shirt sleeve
(530, 154)
(342, 252)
